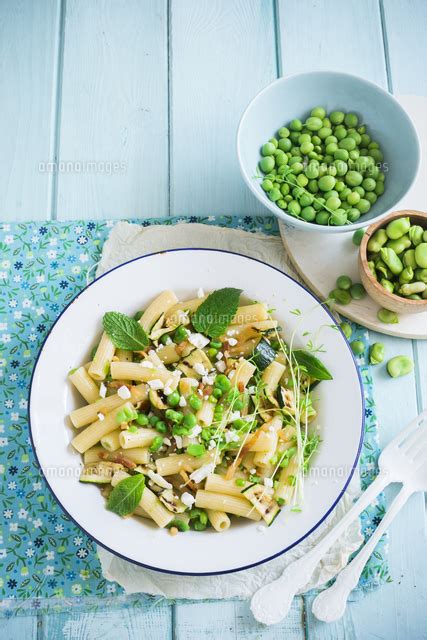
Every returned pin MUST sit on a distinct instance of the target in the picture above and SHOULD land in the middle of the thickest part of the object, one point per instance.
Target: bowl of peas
(327, 151)
(393, 262)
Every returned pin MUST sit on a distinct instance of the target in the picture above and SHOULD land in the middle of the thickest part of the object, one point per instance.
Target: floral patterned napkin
(46, 562)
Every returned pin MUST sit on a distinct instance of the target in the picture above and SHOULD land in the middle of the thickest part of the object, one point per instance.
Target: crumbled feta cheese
(201, 474)
(160, 347)
(232, 342)
(208, 379)
(219, 355)
(231, 374)
(231, 436)
(200, 369)
(178, 441)
(123, 392)
(268, 482)
(198, 340)
(234, 416)
(196, 430)
(101, 416)
(231, 332)
(212, 445)
(169, 340)
(252, 471)
(220, 366)
(192, 382)
(167, 441)
(251, 390)
(167, 390)
(188, 499)
(102, 390)
(155, 384)
(261, 528)
(200, 293)
(147, 364)
(159, 480)
(182, 402)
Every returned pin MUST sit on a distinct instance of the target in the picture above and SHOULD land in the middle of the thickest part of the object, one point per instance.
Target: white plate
(129, 288)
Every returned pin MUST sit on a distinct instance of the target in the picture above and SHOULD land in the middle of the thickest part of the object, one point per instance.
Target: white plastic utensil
(331, 603)
(271, 603)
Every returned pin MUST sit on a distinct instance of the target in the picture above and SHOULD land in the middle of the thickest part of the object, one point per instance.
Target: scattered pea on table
(357, 347)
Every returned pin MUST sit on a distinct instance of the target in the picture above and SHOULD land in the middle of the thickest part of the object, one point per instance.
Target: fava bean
(346, 329)
(377, 240)
(406, 275)
(376, 353)
(409, 259)
(421, 274)
(400, 366)
(384, 282)
(392, 260)
(397, 228)
(387, 317)
(412, 287)
(399, 245)
(421, 255)
(357, 291)
(416, 234)
(340, 296)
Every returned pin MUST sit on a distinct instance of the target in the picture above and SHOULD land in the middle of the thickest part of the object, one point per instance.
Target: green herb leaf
(314, 367)
(126, 495)
(126, 333)
(216, 313)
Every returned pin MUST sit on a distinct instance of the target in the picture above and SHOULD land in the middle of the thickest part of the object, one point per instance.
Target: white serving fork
(404, 460)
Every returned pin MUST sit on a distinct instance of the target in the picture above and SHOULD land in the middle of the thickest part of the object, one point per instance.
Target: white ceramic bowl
(294, 97)
(128, 288)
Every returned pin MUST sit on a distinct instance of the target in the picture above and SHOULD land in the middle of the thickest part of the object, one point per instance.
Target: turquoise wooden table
(149, 92)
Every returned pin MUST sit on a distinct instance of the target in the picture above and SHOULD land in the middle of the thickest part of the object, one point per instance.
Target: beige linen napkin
(127, 241)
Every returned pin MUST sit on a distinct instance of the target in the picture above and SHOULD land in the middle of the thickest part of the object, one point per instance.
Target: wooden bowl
(383, 297)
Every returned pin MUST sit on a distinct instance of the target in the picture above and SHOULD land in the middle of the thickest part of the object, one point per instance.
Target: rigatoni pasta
(197, 411)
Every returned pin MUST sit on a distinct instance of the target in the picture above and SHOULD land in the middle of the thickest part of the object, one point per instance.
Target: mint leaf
(216, 313)
(314, 367)
(126, 333)
(126, 495)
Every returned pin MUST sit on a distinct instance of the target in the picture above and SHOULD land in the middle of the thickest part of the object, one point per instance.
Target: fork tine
(418, 447)
(416, 422)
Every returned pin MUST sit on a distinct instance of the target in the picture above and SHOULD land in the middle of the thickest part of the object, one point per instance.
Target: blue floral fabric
(46, 561)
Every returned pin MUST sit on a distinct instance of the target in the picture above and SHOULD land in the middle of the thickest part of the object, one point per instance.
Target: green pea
(268, 149)
(354, 178)
(363, 205)
(351, 120)
(397, 228)
(353, 215)
(333, 203)
(347, 143)
(387, 317)
(392, 260)
(346, 329)
(400, 244)
(322, 217)
(338, 217)
(421, 255)
(274, 141)
(195, 402)
(358, 236)
(154, 420)
(308, 213)
(274, 195)
(142, 419)
(353, 198)
(357, 291)
(376, 353)
(344, 282)
(340, 132)
(340, 296)
(295, 125)
(173, 398)
(174, 416)
(313, 123)
(189, 420)
(196, 450)
(294, 208)
(412, 287)
(387, 284)
(285, 144)
(266, 164)
(400, 366)
(267, 185)
(369, 184)
(357, 347)
(336, 117)
(283, 132)
(180, 335)
(223, 382)
(156, 444)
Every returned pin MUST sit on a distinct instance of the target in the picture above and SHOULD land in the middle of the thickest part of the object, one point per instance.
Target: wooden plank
(222, 55)
(233, 621)
(28, 53)
(114, 110)
(405, 23)
(109, 624)
(19, 628)
(330, 34)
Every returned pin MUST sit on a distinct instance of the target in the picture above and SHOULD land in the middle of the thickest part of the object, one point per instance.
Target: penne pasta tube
(92, 454)
(243, 374)
(140, 438)
(265, 442)
(236, 505)
(136, 371)
(100, 365)
(124, 356)
(219, 520)
(206, 413)
(141, 513)
(152, 505)
(244, 349)
(250, 313)
(160, 305)
(272, 427)
(173, 316)
(285, 486)
(85, 415)
(173, 464)
(93, 434)
(138, 455)
(84, 384)
(154, 358)
(218, 484)
(272, 375)
(110, 442)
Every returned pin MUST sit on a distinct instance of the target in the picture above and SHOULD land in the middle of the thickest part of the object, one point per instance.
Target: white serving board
(320, 259)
